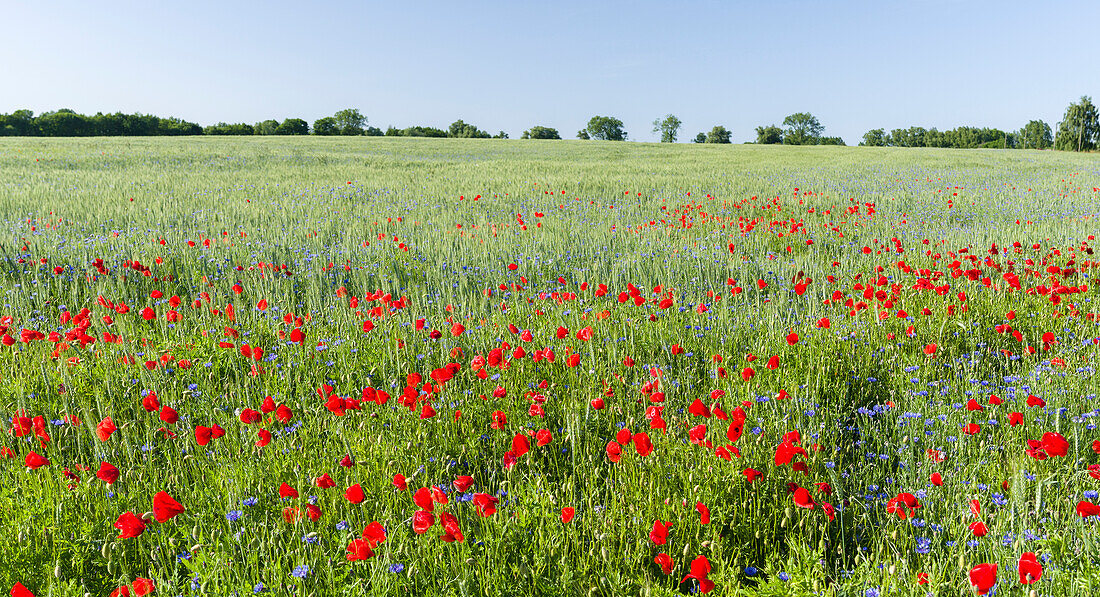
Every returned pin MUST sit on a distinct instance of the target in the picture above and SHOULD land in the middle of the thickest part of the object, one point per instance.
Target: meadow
(326, 366)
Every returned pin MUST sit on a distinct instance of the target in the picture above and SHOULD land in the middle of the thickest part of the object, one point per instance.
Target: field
(456, 367)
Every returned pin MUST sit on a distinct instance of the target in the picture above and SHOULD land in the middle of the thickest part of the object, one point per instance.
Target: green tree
(228, 129)
(541, 132)
(267, 127)
(583, 135)
(769, 135)
(462, 130)
(718, 134)
(325, 126)
(1080, 128)
(831, 141)
(875, 138)
(500, 135)
(668, 127)
(349, 122)
(372, 131)
(700, 138)
(606, 128)
(63, 123)
(802, 129)
(19, 123)
(1036, 134)
(293, 126)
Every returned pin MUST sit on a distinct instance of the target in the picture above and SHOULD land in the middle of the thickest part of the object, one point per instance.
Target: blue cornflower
(300, 571)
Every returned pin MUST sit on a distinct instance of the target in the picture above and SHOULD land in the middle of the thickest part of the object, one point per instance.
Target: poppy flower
(613, 450)
(399, 482)
(983, 577)
(1016, 418)
(287, 491)
(1029, 568)
(169, 415)
(422, 521)
(143, 586)
(543, 437)
(423, 499)
(978, 529)
(1086, 509)
(35, 460)
(903, 505)
(463, 482)
(803, 499)
(360, 549)
(104, 429)
(659, 533)
(664, 561)
(520, 445)
(438, 496)
(165, 508)
(354, 494)
(107, 473)
(129, 526)
(642, 445)
(374, 532)
(700, 568)
(18, 590)
(486, 504)
(123, 591)
(567, 514)
(704, 513)
(452, 531)
(1054, 444)
(752, 474)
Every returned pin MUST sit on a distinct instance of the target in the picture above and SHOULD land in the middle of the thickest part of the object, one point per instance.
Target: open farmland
(457, 367)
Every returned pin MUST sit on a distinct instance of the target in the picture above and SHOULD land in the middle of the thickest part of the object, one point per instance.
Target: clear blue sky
(508, 65)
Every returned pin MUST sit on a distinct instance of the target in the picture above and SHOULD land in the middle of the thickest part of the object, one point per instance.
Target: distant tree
(1036, 134)
(229, 129)
(326, 126)
(541, 132)
(18, 123)
(802, 129)
(831, 141)
(293, 126)
(668, 127)
(769, 135)
(606, 128)
(372, 131)
(874, 138)
(173, 126)
(1080, 127)
(462, 130)
(267, 127)
(349, 122)
(718, 134)
(700, 138)
(500, 135)
(63, 123)
(416, 131)
(583, 135)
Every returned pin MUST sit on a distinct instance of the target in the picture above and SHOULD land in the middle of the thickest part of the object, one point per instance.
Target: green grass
(436, 224)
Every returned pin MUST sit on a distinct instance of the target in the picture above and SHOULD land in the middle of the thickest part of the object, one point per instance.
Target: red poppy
(399, 482)
(642, 445)
(287, 491)
(169, 415)
(659, 534)
(567, 514)
(520, 445)
(903, 505)
(1086, 509)
(704, 513)
(700, 568)
(104, 429)
(360, 549)
(129, 525)
(613, 450)
(143, 586)
(1054, 444)
(35, 460)
(463, 482)
(423, 499)
(664, 561)
(1029, 568)
(422, 521)
(165, 508)
(354, 494)
(486, 504)
(752, 474)
(1016, 418)
(107, 473)
(978, 529)
(983, 577)
(803, 499)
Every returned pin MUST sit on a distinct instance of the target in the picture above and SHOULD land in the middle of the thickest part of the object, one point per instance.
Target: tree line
(1079, 130)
